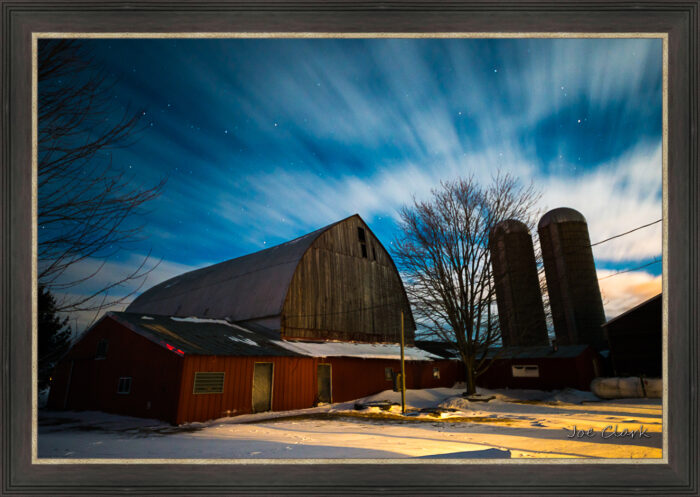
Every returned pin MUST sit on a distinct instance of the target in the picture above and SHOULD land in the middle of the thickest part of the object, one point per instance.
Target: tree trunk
(470, 377)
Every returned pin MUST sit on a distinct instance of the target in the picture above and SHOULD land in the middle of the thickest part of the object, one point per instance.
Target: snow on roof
(362, 350)
(247, 341)
(193, 319)
(205, 336)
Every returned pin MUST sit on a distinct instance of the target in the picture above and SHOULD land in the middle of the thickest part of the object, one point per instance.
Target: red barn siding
(294, 382)
(166, 380)
(420, 374)
(555, 373)
(347, 384)
(155, 374)
(293, 386)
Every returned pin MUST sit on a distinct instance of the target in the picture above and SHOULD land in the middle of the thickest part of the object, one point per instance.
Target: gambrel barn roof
(248, 287)
(336, 283)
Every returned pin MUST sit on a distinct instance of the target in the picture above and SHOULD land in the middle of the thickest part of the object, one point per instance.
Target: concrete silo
(518, 295)
(572, 282)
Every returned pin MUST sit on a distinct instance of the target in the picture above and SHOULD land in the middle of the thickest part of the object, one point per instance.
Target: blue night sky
(265, 140)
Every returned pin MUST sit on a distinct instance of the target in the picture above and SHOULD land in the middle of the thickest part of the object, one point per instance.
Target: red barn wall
(354, 378)
(166, 380)
(293, 386)
(294, 382)
(555, 373)
(155, 374)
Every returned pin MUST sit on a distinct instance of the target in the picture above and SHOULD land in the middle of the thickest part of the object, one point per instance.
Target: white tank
(633, 387)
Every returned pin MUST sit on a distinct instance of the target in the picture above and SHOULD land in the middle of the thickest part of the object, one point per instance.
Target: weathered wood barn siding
(82, 381)
(346, 287)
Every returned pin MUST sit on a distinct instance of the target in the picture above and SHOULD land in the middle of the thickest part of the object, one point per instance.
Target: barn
(336, 283)
(635, 340)
(542, 368)
(316, 319)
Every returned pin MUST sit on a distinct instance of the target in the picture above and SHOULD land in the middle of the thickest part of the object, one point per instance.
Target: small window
(124, 386)
(208, 383)
(361, 234)
(526, 371)
(374, 253)
(436, 373)
(101, 349)
(364, 251)
(388, 374)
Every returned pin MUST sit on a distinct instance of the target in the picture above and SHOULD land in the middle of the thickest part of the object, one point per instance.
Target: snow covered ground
(515, 424)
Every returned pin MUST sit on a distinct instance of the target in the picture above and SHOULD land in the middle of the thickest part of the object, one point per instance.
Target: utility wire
(632, 269)
(626, 233)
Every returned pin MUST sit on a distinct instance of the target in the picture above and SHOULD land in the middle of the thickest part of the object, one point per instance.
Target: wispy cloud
(105, 274)
(624, 291)
(616, 197)
(265, 140)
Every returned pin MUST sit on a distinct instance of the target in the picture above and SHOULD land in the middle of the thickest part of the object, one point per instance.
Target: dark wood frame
(679, 19)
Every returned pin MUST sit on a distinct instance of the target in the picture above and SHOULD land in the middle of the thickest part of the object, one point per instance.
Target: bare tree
(442, 252)
(86, 204)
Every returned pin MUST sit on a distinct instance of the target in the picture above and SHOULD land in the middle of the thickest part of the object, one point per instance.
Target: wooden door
(262, 386)
(323, 383)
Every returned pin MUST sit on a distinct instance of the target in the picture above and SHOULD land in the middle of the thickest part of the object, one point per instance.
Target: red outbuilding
(542, 368)
(191, 369)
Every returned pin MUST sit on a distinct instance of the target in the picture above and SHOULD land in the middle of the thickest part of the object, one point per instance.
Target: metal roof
(509, 226)
(540, 352)
(449, 351)
(197, 336)
(561, 215)
(248, 287)
(634, 309)
(442, 349)
(194, 336)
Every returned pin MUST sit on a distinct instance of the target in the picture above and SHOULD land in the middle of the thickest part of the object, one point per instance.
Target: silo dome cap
(561, 215)
(509, 226)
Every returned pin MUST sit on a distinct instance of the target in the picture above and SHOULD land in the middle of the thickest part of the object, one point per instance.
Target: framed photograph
(270, 131)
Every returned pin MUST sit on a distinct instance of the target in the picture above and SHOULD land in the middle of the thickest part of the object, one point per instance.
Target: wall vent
(526, 371)
(208, 383)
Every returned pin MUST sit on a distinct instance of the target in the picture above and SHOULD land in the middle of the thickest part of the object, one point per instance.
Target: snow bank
(415, 399)
(517, 424)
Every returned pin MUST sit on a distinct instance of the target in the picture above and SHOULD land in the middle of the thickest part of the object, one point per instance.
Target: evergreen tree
(54, 336)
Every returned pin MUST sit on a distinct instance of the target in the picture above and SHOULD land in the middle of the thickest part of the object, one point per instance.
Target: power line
(632, 269)
(626, 232)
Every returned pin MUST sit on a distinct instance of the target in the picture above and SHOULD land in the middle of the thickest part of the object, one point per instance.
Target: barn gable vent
(208, 382)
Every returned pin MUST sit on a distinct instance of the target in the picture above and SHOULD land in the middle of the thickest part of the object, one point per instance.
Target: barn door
(323, 383)
(262, 386)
